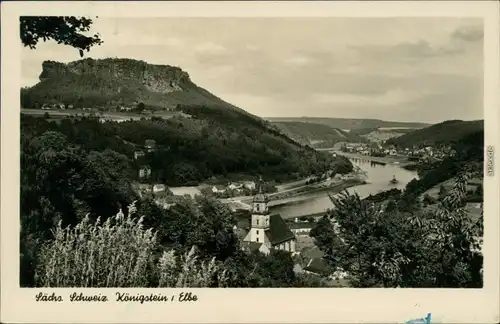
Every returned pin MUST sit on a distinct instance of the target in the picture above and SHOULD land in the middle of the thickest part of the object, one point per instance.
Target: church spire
(260, 196)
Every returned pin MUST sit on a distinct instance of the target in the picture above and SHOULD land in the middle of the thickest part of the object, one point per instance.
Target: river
(378, 175)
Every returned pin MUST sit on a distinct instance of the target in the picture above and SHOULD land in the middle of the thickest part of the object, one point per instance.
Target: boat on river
(394, 180)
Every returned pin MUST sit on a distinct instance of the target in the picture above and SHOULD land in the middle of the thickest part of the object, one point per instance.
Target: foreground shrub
(189, 271)
(119, 253)
(113, 254)
(404, 247)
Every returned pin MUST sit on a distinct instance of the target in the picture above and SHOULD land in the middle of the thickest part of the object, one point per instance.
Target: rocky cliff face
(111, 83)
(155, 78)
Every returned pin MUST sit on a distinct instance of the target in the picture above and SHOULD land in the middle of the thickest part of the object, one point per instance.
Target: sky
(400, 69)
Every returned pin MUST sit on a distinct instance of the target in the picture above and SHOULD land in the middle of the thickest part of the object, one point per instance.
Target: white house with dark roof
(319, 266)
(138, 154)
(159, 188)
(218, 189)
(302, 228)
(145, 171)
(235, 186)
(269, 230)
(315, 266)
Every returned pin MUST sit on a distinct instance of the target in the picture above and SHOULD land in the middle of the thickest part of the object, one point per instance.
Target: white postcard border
(247, 305)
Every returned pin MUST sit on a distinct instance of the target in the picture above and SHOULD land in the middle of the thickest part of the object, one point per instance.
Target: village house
(218, 189)
(269, 230)
(159, 188)
(318, 266)
(150, 145)
(183, 191)
(144, 172)
(138, 154)
(315, 266)
(302, 228)
(249, 185)
(314, 263)
(235, 186)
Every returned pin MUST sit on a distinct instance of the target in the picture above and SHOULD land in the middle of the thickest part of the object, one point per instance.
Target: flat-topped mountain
(110, 83)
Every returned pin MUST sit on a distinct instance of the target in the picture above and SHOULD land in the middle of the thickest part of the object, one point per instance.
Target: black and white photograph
(251, 152)
(178, 152)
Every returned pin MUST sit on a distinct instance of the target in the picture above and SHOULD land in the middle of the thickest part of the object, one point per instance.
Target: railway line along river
(378, 174)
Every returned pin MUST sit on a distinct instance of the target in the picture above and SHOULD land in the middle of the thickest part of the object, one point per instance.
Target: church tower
(260, 217)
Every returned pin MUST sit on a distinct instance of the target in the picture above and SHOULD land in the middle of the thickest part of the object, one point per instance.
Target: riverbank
(289, 199)
(299, 196)
(401, 161)
(378, 178)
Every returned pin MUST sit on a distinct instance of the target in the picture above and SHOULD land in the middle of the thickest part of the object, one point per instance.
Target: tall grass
(189, 271)
(118, 253)
(112, 254)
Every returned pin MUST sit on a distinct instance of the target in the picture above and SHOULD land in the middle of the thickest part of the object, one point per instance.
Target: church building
(268, 231)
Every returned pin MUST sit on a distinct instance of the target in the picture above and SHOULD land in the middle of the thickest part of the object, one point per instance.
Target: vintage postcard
(250, 162)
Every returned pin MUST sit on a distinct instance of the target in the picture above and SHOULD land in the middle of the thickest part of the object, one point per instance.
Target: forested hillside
(444, 133)
(193, 150)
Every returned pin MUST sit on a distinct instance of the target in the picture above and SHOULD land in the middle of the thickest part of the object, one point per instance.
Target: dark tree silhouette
(141, 106)
(64, 30)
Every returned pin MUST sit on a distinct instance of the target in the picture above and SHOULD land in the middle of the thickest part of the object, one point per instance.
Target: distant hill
(447, 132)
(349, 123)
(381, 134)
(316, 135)
(217, 140)
(388, 130)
